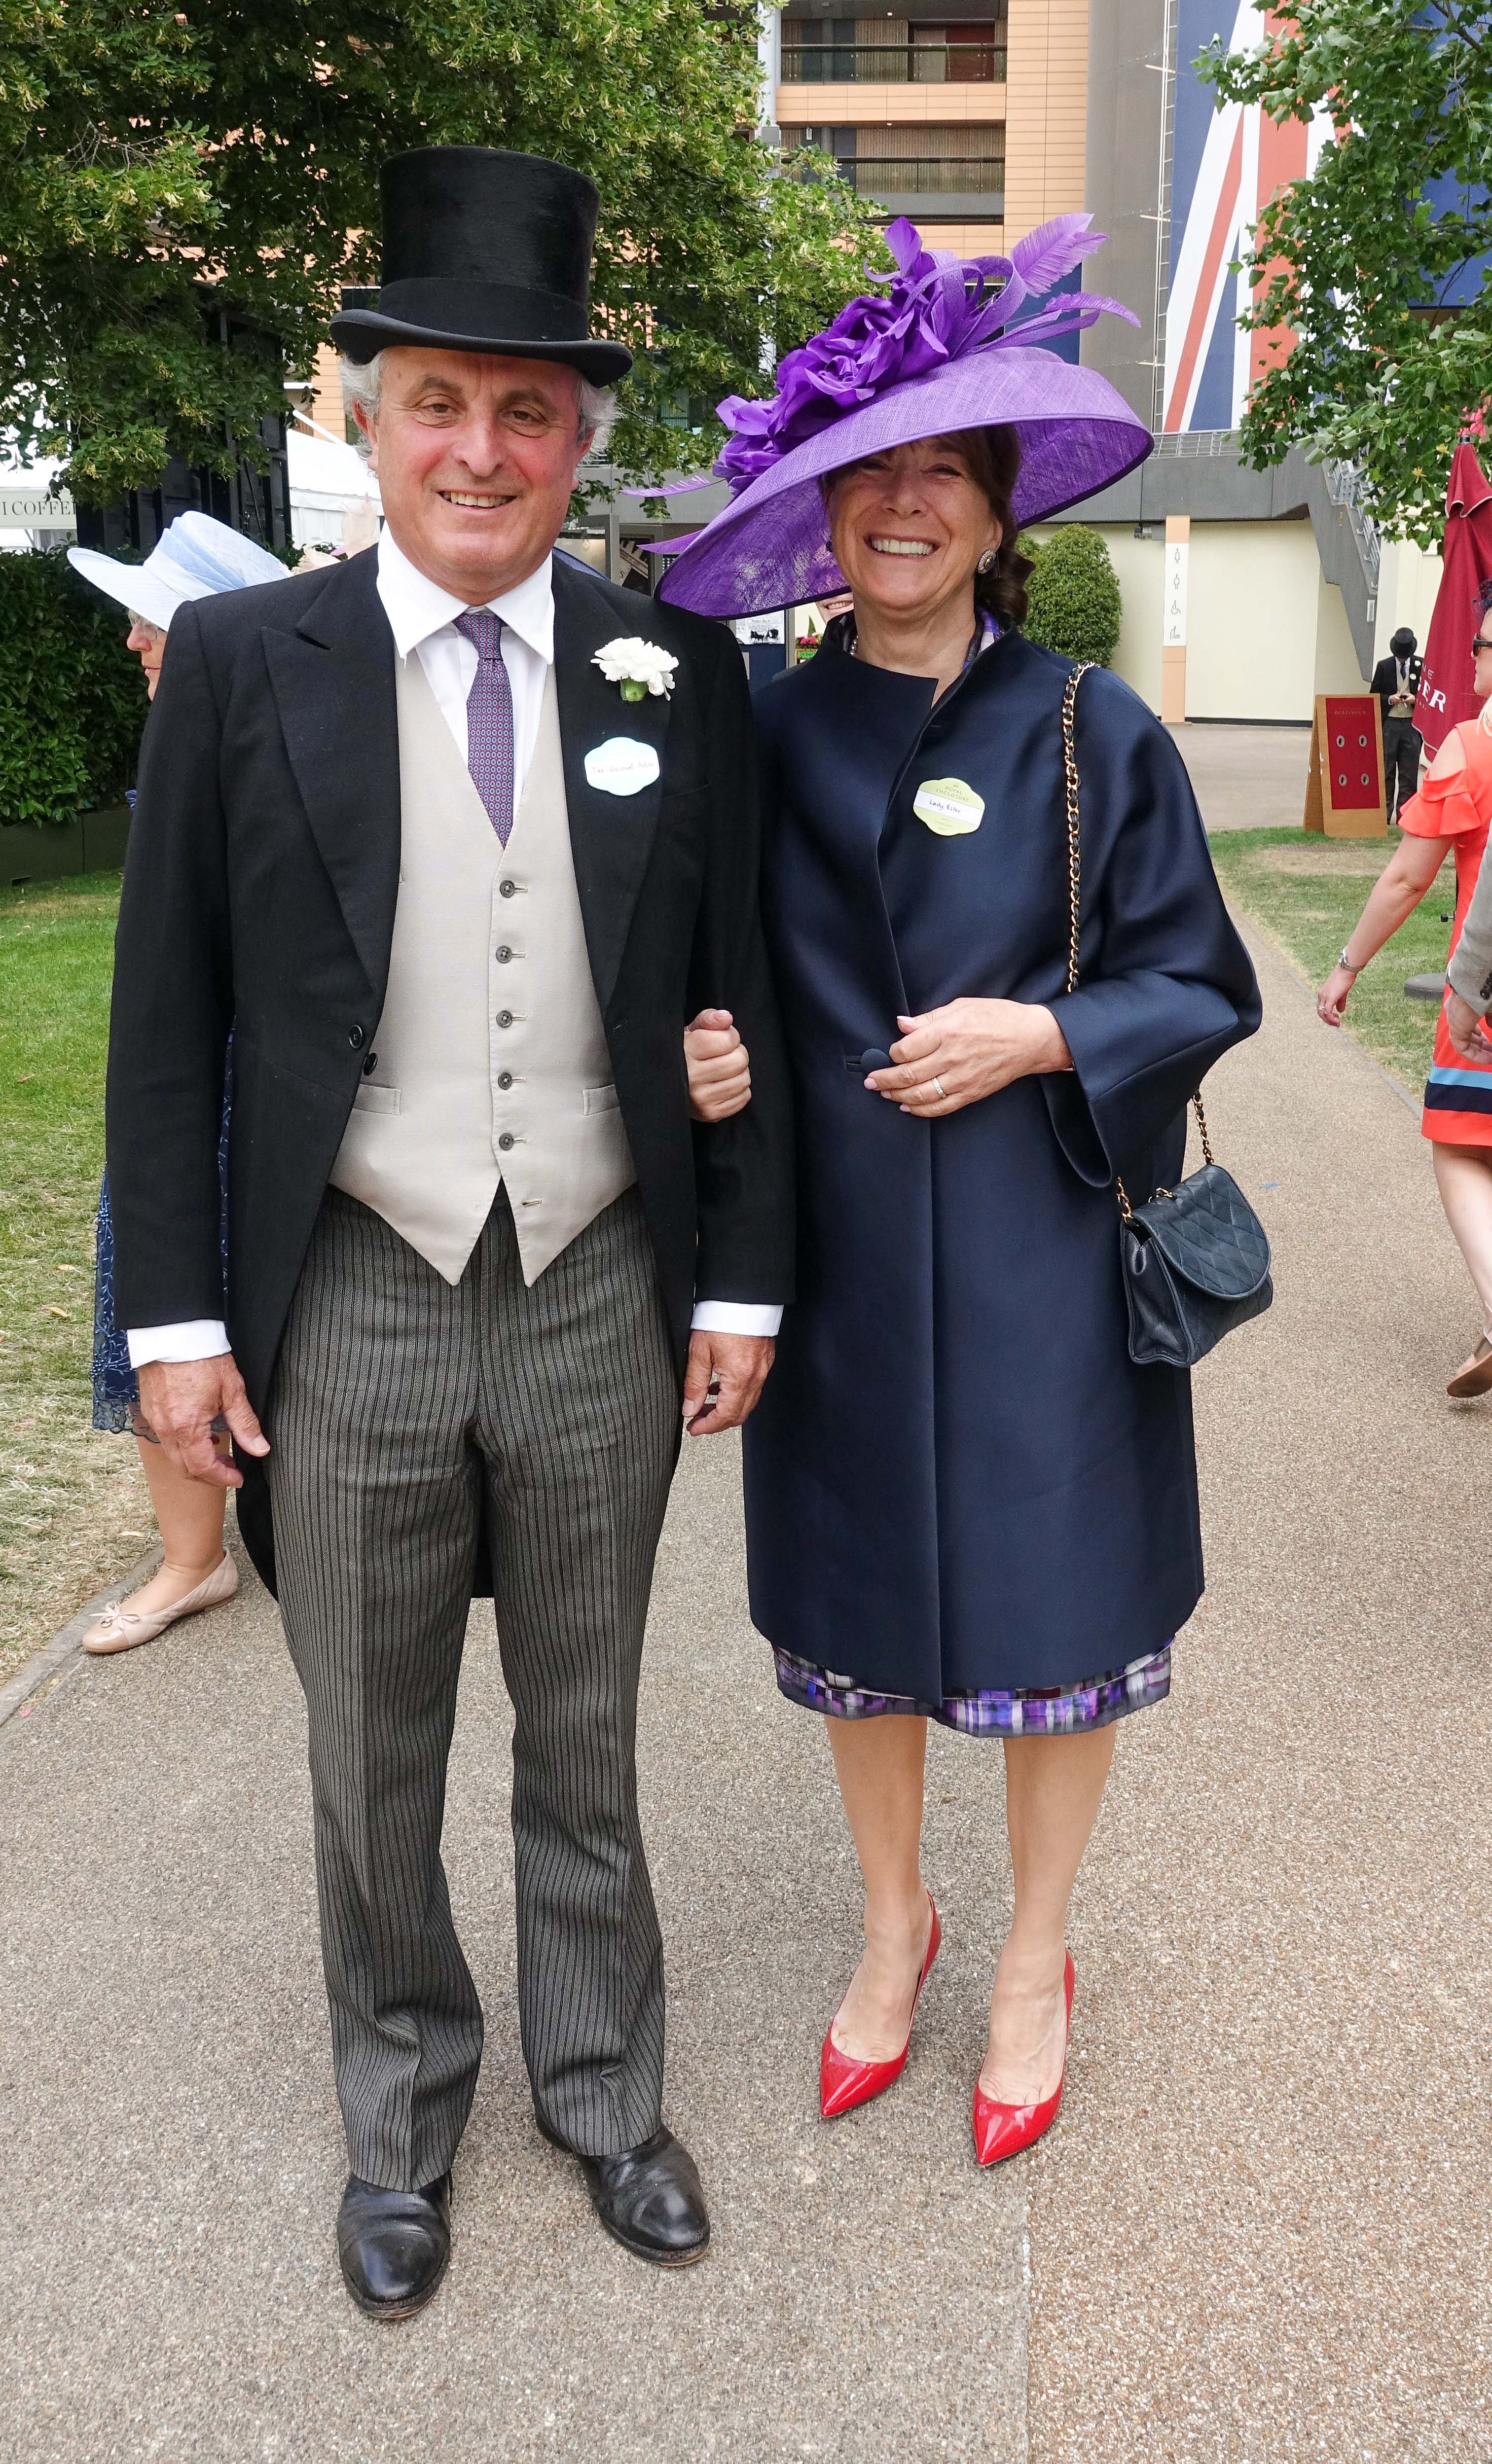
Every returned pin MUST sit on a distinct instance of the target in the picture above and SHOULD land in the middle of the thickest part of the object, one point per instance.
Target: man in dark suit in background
(1396, 680)
(456, 854)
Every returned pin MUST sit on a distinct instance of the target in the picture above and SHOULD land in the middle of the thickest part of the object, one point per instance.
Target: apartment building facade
(970, 119)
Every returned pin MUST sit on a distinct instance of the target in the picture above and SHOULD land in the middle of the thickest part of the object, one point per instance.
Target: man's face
(477, 458)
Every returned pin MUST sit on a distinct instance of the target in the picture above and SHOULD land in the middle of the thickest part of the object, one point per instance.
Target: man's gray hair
(596, 405)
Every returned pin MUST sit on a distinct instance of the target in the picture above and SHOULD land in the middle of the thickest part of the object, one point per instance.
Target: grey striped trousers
(405, 1414)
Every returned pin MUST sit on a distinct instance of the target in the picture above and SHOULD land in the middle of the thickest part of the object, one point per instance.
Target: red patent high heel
(1002, 2130)
(845, 2083)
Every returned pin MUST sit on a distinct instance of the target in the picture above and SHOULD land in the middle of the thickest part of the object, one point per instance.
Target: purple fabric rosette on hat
(937, 352)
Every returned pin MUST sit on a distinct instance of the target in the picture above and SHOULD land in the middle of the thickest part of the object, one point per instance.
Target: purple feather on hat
(943, 347)
(938, 309)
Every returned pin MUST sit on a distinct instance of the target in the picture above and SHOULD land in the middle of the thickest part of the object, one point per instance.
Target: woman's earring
(987, 560)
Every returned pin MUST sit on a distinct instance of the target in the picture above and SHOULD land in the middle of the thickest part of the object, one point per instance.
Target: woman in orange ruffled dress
(1451, 813)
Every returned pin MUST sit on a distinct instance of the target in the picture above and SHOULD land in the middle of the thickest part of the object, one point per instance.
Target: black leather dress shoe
(394, 2245)
(650, 2198)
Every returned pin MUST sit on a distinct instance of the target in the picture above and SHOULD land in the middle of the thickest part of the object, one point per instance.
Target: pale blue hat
(194, 558)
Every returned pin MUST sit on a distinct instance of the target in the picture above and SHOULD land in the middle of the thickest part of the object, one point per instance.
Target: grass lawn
(73, 1512)
(1307, 894)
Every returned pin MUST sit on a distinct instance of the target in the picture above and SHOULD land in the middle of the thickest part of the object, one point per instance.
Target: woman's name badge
(621, 766)
(947, 805)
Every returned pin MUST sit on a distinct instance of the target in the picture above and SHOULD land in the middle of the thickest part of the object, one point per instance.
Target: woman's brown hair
(994, 458)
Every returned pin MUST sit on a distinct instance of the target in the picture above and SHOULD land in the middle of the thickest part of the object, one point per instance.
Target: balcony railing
(1197, 444)
(893, 64)
(887, 179)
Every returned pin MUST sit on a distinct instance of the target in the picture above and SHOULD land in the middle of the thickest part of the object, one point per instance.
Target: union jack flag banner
(1225, 166)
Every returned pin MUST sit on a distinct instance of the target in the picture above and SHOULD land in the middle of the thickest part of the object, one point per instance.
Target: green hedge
(72, 698)
(1073, 602)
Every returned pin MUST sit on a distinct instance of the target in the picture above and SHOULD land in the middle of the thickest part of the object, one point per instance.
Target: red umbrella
(1445, 693)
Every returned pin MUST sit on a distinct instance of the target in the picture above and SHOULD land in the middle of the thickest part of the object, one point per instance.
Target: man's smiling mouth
(469, 496)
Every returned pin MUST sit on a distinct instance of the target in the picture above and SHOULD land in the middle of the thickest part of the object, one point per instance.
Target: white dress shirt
(422, 617)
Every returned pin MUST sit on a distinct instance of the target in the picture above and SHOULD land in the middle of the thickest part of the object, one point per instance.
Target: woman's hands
(1331, 1000)
(718, 1065)
(968, 1050)
(1463, 1024)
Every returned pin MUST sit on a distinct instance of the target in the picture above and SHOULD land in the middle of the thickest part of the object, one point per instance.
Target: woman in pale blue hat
(194, 559)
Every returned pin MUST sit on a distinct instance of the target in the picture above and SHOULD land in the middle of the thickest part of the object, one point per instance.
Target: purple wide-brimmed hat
(938, 353)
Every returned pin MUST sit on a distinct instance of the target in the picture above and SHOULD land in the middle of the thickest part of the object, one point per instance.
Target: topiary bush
(73, 699)
(1073, 602)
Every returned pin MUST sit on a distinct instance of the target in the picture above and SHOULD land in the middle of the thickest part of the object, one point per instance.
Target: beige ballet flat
(1478, 1376)
(120, 1630)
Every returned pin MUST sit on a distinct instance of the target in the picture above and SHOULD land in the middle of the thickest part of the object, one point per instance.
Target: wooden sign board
(1344, 787)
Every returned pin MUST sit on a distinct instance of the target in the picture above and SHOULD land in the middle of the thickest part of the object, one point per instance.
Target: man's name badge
(949, 807)
(621, 766)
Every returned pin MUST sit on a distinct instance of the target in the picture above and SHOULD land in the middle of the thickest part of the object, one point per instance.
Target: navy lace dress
(116, 1387)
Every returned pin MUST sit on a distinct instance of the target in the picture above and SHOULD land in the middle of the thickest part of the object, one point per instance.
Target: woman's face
(148, 643)
(909, 526)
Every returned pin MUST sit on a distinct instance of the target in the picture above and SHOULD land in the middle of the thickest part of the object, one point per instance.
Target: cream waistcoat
(490, 1063)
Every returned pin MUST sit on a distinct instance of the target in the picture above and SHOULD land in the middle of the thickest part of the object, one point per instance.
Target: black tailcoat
(956, 1477)
(259, 893)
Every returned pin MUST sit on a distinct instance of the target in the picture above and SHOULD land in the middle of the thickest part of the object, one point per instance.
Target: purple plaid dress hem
(1035, 1712)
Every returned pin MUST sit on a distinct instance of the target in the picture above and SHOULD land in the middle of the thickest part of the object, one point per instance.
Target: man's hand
(1463, 1027)
(724, 1379)
(180, 1400)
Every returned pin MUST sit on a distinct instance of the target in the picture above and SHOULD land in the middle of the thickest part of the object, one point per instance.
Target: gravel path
(1247, 777)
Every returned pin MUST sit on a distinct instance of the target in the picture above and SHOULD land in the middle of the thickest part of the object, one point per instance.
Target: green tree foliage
(74, 698)
(146, 152)
(1073, 604)
(1354, 258)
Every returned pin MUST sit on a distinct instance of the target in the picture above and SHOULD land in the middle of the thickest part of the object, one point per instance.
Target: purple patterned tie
(490, 720)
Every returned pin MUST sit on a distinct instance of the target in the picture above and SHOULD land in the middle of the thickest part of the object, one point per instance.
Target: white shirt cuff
(736, 1317)
(196, 1339)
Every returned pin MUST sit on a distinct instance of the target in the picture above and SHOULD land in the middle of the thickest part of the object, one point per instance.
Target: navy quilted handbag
(1196, 1259)
(1195, 1265)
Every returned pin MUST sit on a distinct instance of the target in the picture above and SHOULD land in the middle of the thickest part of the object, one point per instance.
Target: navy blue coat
(956, 1479)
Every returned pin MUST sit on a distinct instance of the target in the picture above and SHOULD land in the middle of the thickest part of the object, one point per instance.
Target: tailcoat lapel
(611, 837)
(333, 680)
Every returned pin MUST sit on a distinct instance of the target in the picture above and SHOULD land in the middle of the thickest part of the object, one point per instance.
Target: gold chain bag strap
(1196, 1259)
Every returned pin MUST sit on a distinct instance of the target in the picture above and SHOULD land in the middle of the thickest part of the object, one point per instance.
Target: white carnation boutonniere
(638, 666)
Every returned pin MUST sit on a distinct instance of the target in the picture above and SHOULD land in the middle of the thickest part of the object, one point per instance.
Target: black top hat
(485, 252)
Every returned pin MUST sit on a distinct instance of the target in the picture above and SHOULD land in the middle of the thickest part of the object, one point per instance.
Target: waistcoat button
(505, 1079)
(505, 1018)
(506, 889)
(370, 1065)
(506, 1140)
(355, 1037)
(504, 954)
